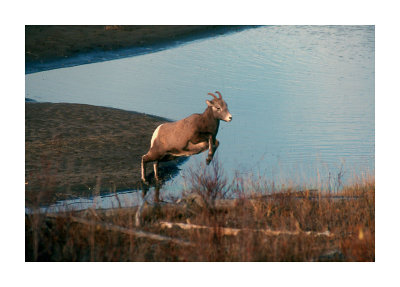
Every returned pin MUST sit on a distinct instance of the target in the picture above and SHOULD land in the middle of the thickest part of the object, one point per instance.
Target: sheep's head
(219, 107)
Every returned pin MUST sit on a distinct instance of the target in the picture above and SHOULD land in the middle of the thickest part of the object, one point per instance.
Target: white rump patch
(155, 134)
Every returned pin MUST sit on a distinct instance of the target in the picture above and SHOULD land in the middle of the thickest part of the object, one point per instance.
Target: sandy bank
(69, 148)
(46, 44)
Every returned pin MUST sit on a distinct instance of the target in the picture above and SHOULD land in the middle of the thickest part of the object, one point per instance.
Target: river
(302, 97)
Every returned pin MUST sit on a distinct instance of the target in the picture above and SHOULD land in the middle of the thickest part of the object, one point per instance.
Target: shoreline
(68, 150)
(83, 150)
(86, 151)
(52, 47)
(280, 227)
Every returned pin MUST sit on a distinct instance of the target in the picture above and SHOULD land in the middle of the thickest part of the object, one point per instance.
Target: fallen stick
(137, 233)
(235, 231)
(186, 226)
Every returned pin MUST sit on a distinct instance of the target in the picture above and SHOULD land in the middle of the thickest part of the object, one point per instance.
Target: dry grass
(216, 221)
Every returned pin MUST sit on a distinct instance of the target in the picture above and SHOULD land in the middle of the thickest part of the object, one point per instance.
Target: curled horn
(219, 94)
(215, 97)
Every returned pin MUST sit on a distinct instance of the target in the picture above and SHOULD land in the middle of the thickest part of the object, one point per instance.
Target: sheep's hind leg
(155, 166)
(148, 157)
(143, 169)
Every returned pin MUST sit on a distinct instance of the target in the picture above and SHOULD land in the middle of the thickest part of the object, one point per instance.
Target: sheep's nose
(230, 118)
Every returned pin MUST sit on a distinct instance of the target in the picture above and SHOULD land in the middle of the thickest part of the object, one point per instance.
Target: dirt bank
(46, 43)
(69, 148)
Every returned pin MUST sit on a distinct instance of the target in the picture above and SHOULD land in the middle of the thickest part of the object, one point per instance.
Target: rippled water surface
(302, 98)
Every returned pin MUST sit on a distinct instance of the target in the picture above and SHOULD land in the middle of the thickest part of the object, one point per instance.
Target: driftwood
(235, 231)
(116, 228)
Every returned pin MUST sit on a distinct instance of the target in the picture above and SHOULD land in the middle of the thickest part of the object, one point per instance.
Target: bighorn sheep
(189, 136)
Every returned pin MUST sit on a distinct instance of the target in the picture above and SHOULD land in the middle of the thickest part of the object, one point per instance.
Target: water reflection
(122, 199)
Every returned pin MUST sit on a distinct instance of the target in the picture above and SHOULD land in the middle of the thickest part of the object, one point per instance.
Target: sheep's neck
(210, 121)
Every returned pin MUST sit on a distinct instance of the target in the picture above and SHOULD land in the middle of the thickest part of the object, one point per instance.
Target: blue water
(302, 97)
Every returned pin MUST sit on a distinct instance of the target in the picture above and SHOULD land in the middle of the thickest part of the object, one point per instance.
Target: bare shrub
(210, 183)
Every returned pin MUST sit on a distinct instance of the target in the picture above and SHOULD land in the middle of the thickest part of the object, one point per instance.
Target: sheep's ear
(210, 104)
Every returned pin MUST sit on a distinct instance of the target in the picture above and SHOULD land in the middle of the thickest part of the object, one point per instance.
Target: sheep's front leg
(213, 144)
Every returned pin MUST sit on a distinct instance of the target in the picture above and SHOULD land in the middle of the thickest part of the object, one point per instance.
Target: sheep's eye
(218, 108)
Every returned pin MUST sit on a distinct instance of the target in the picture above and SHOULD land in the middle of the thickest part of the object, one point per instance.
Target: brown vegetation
(216, 222)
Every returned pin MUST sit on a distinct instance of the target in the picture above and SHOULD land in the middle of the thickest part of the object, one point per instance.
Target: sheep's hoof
(145, 182)
(208, 160)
